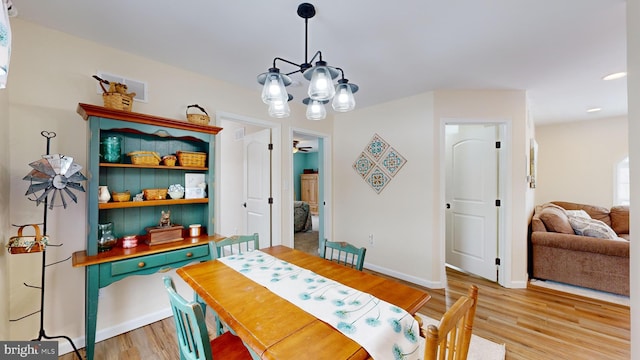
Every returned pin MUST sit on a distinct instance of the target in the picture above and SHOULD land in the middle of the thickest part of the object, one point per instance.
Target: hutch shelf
(141, 132)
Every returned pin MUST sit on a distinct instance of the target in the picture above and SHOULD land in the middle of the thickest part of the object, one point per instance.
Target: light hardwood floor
(534, 323)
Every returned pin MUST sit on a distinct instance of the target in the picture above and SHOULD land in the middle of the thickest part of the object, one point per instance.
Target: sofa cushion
(620, 219)
(579, 213)
(592, 228)
(555, 219)
(596, 212)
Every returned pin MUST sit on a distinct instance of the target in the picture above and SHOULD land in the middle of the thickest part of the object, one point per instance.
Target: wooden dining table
(274, 328)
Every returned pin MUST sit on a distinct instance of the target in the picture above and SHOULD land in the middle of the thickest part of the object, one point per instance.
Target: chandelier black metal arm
(302, 67)
(321, 75)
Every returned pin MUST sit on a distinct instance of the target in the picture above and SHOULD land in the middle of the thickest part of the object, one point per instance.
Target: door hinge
(498, 202)
(498, 144)
(497, 261)
(270, 146)
(270, 200)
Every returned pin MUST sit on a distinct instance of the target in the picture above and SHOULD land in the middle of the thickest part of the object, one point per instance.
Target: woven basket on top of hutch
(140, 132)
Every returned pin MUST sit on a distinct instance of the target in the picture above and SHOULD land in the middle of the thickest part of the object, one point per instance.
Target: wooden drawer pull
(189, 254)
(163, 270)
(141, 264)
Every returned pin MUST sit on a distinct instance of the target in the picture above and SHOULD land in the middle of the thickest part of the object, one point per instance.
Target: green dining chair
(345, 254)
(193, 338)
(236, 244)
(232, 245)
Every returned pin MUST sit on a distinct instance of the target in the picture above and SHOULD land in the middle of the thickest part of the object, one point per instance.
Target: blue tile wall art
(378, 163)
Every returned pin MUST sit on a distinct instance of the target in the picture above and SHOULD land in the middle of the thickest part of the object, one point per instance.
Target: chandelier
(321, 87)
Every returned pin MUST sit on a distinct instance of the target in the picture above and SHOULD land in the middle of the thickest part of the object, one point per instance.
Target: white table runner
(383, 329)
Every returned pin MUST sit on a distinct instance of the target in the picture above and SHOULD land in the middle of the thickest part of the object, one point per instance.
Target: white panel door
(471, 194)
(257, 184)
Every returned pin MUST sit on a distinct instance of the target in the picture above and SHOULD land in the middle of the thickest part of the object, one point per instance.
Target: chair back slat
(345, 254)
(237, 244)
(451, 338)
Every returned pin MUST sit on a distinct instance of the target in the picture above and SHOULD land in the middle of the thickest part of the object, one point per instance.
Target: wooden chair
(193, 338)
(344, 253)
(236, 244)
(451, 338)
(232, 245)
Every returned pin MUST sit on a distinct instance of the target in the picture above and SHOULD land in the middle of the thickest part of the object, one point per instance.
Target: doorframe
(324, 185)
(276, 170)
(504, 188)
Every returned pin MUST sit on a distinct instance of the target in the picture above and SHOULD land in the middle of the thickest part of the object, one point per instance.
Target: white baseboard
(405, 277)
(80, 342)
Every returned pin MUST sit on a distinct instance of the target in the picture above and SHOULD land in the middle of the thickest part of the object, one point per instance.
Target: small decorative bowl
(176, 194)
(129, 241)
(121, 196)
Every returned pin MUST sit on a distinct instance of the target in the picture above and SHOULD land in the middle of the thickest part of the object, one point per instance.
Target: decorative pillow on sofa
(592, 228)
(579, 213)
(555, 219)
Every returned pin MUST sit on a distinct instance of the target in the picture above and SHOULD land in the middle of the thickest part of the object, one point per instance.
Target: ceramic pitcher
(103, 194)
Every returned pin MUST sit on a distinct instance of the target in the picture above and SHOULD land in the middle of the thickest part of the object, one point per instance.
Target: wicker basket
(169, 160)
(121, 196)
(116, 97)
(193, 159)
(155, 194)
(197, 118)
(117, 101)
(144, 158)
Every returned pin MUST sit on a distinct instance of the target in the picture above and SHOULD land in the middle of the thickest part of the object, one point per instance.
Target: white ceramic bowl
(176, 194)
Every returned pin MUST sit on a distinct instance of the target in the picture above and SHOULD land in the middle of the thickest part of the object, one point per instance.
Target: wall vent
(136, 86)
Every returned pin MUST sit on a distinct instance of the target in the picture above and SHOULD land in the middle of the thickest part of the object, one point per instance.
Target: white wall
(50, 74)
(577, 160)
(401, 217)
(5, 229)
(633, 83)
(407, 218)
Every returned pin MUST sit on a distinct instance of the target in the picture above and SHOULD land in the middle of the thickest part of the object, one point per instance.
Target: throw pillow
(579, 213)
(592, 228)
(555, 219)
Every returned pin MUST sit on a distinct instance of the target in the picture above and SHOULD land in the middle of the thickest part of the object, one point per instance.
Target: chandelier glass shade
(315, 109)
(279, 109)
(273, 89)
(343, 100)
(321, 82)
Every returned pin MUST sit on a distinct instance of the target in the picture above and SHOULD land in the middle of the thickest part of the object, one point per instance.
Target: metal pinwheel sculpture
(53, 176)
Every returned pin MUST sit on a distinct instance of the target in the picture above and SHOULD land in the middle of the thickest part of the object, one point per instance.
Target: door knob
(244, 205)
(448, 206)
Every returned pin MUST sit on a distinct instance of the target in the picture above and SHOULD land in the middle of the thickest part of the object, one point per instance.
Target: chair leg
(203, 304)
(219, 325)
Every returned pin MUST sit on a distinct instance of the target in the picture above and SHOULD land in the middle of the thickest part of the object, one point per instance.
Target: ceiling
(558, 51)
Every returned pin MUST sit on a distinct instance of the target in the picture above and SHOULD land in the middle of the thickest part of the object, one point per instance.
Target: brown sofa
(558, 254)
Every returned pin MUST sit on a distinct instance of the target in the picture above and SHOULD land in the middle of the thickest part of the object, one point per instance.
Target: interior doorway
(246, 169)
(473, 205)
(309, 174)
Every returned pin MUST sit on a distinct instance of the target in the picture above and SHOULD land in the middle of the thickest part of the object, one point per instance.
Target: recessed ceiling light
(614, 76)
(592, 110)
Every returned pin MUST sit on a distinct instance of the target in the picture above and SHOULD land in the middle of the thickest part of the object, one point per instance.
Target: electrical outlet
(370, 239)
